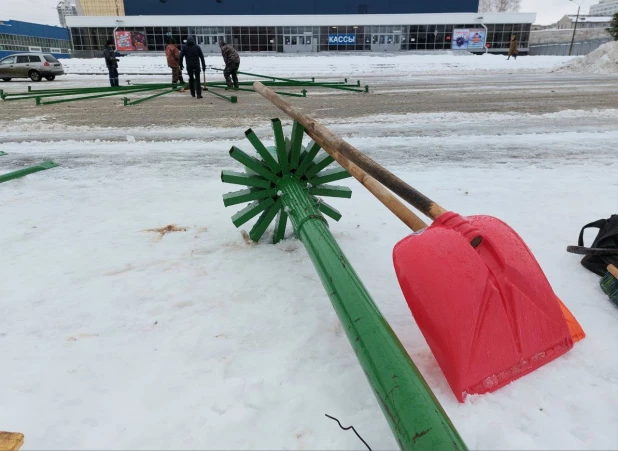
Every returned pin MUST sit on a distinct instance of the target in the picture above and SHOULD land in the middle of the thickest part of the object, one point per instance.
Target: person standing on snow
(513, 50)
(194, 55)
(173, 61)
(232, 63)
(111, 62)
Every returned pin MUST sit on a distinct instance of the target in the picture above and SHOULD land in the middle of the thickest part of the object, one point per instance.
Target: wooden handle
(11, 441)
(382, 194)
(613, 270)
(332, 144)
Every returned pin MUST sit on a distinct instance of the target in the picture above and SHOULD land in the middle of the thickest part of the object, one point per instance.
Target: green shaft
(26, 171)
(412, 411)
(135, 102)
(97, 96)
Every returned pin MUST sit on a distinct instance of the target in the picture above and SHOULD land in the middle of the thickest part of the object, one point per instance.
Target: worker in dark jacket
(232, 62)
(194, 55)
(111, 62)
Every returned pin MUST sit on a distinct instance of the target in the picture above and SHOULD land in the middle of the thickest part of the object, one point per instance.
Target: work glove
(203, 68)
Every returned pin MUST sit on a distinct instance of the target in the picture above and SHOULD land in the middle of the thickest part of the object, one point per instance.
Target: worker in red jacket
(173, 61)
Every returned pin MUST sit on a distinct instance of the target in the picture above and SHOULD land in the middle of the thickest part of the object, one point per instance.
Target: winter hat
(110, 42)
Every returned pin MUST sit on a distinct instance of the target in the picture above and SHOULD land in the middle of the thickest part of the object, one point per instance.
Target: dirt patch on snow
(162, 231)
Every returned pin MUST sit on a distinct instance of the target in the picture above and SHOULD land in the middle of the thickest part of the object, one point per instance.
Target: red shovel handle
(332, 144)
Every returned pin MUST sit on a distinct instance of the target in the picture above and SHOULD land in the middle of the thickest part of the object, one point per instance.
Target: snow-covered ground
(328, 64)
(114, 337)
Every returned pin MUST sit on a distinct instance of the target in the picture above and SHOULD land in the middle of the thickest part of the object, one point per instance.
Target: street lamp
(575, 27)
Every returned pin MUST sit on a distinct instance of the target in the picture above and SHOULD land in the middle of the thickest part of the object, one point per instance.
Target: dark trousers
(177, 75)
(231, 69)
(194, 81)
(113, 76)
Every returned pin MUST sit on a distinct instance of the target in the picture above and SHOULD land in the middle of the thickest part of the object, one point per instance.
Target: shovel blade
(488, 313)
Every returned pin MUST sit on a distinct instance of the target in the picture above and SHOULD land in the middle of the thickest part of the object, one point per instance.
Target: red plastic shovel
(474, 288)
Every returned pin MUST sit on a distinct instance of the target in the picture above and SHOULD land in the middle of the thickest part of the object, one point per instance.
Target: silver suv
(35, 66)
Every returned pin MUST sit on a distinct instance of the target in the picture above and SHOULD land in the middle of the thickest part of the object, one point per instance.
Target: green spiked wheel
(276, 170)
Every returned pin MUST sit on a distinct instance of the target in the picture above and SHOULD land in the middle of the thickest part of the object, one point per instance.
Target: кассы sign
(342, 39)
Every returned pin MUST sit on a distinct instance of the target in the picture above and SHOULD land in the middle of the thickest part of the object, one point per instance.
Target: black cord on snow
(347, 429)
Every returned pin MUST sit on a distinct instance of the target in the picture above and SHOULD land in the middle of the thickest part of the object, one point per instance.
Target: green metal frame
(128, 102)
(231, 99)
(415, 416)
(26, 171)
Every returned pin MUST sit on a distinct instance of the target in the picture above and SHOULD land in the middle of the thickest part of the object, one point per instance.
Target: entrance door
(295, 43)
(386, 42)
(210, 43)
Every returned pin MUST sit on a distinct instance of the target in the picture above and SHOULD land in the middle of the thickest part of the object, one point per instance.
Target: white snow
(116, 338)
(329, 64)
(603, 60)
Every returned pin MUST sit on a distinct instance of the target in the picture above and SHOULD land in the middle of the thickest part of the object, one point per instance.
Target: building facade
(584, 21)
(291, 7)
(604, 8)
(101, 7)
(65, 8)
(22, 37)
(310, 33)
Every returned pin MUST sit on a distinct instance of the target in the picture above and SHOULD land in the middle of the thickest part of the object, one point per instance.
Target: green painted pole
(413, 413)
(232, 99)
(3, 153)
(144, 99)
(23, 172)
(97, 96)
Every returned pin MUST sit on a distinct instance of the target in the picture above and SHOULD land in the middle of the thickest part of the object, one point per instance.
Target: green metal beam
(329, 175)
(306, 161)
(144, 99)
(26, 171)
(231, 99)
(265, 153)
(97, 96)
(240, 178)
(251, 210)
(253, 163)
(282, 152)
(247, 195)
(414, 414)
(3, 153)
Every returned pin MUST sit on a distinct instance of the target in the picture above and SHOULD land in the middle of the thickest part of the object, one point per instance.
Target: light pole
(575, 27)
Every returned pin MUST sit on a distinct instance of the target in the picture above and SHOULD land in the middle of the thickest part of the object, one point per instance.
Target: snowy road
(120, 338)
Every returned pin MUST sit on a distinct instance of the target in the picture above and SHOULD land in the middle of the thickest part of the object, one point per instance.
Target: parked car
(35, 66)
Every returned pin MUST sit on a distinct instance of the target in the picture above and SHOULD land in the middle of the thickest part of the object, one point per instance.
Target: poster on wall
(130, 41)
(460, 39)
(476, 38)
(139, 41)
(123, 41)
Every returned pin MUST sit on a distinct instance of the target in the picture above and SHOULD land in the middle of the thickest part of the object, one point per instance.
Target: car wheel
(7, 79)
(34, 75)
(50, 78)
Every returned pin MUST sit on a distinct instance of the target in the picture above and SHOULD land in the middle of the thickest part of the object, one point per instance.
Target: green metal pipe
(144, 99)
(412, 411)
(232, 99)
(3, 153)
(98, 96)
(289, 94)
(23, 172)
(257, 75)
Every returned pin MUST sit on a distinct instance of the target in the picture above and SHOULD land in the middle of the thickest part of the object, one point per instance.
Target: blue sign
(342, 39)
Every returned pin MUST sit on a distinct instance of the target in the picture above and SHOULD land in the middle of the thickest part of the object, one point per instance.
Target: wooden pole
(11, 441)
(333, 144)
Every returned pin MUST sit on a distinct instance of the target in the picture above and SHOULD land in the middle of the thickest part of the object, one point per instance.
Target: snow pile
(329, 64)
(603, 60)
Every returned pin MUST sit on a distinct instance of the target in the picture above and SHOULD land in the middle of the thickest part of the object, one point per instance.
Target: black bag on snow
(604, 248)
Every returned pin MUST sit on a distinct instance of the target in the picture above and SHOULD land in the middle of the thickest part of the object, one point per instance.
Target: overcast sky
(44, 11)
